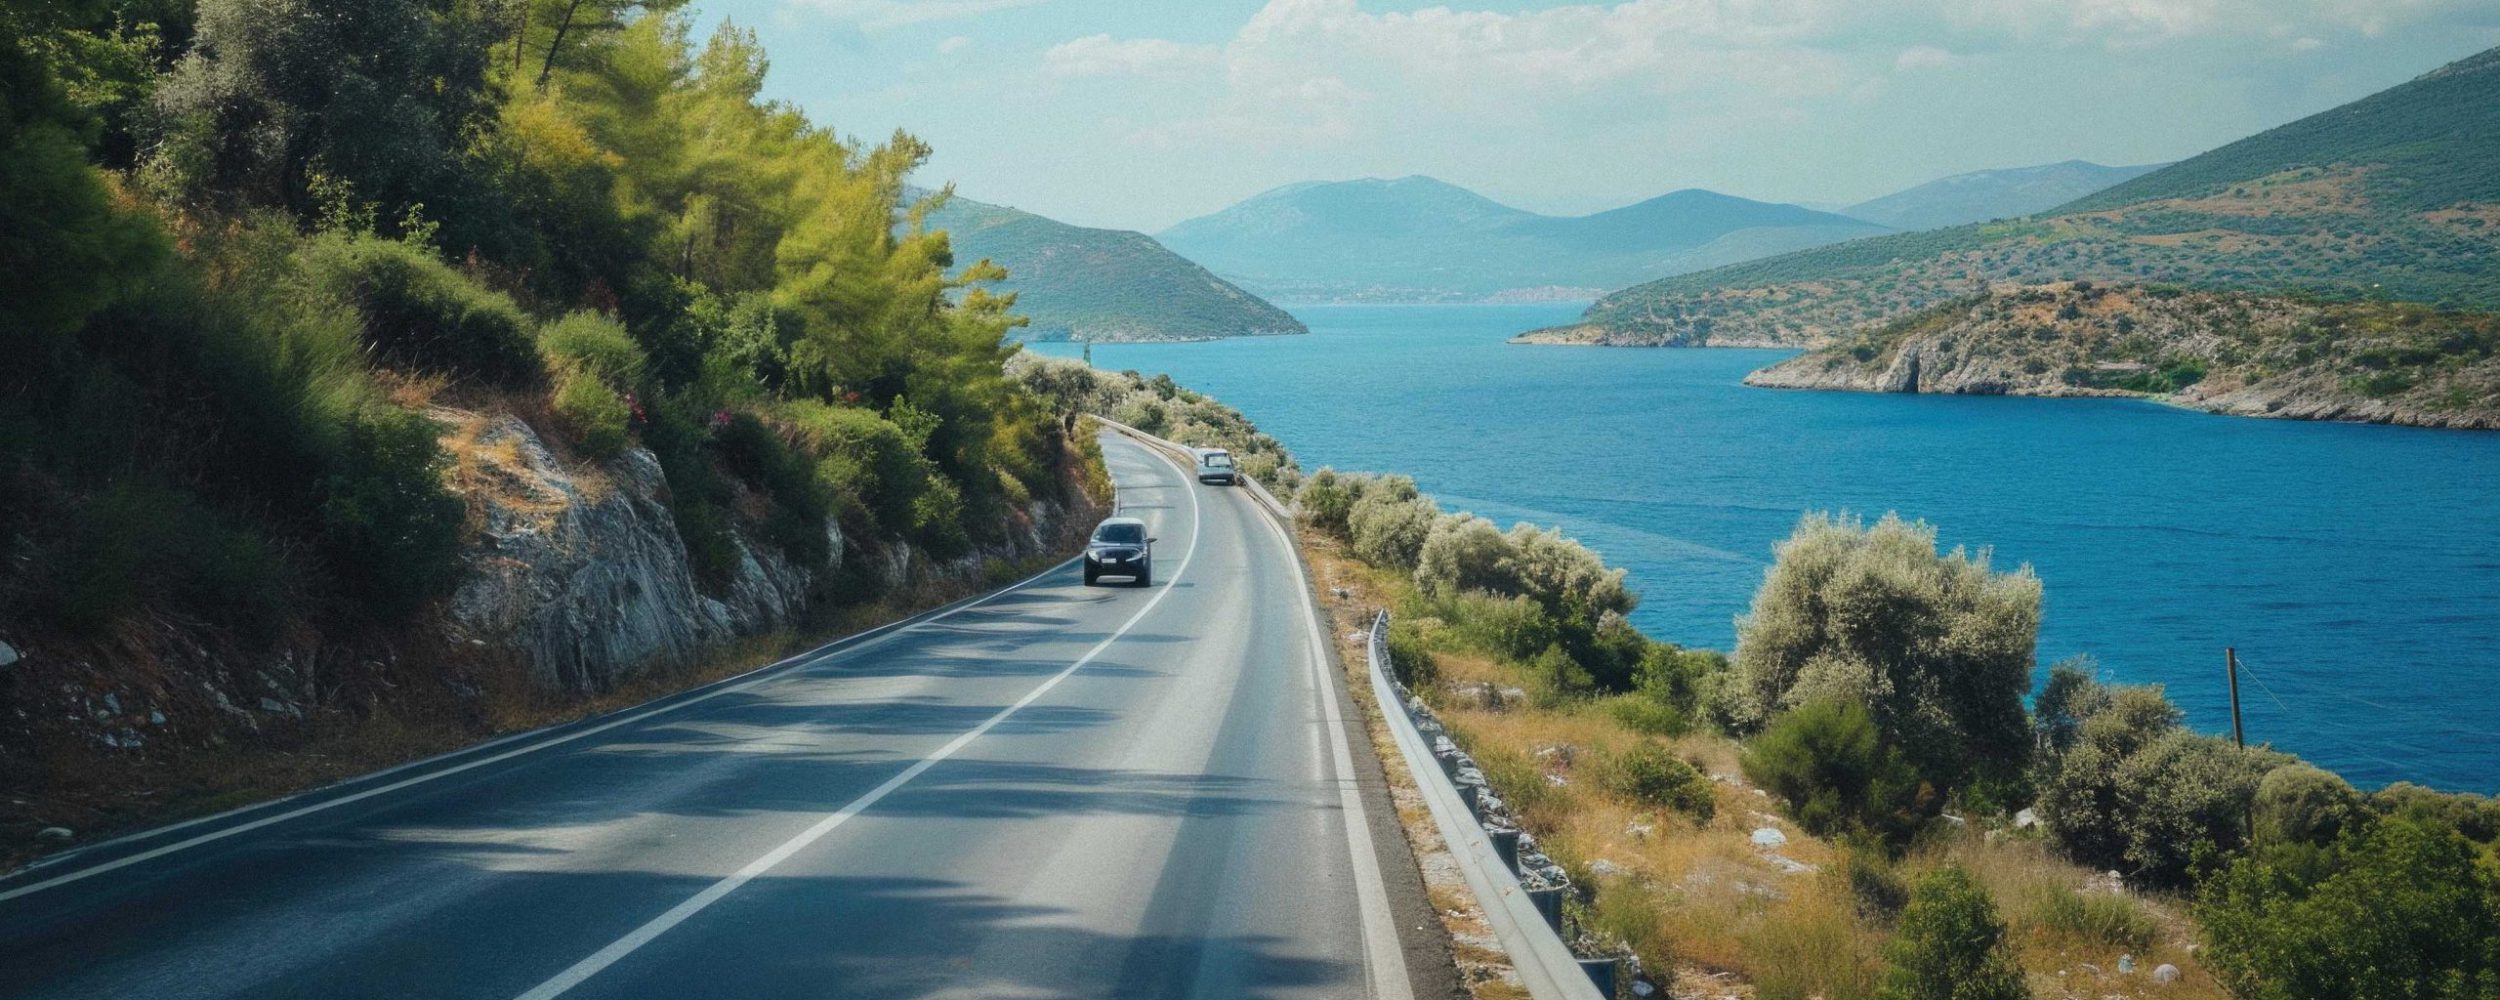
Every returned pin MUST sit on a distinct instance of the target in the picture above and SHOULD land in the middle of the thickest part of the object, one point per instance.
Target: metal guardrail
(1517, 886)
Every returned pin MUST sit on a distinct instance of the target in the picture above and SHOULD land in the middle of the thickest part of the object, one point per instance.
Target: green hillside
(2393, 196)
(2227, 352)
(1076, 283)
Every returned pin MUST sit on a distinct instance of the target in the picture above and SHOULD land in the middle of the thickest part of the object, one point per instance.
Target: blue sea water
(2356, 568)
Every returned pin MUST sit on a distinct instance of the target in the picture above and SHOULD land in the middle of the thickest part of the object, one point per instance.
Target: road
(1059, 791)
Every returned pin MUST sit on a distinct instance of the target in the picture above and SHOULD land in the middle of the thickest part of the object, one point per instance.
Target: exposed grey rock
(2165, 973)
(2026, 818)
(1769, 837)
(9, 654)
(591, 581)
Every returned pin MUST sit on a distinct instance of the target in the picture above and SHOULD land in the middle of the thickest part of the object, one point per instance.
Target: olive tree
(1938, 646)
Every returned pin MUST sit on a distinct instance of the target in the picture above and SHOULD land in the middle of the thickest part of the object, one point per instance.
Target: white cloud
(953, 44)
(1918, 57)
(1103, 55)
(873, 15)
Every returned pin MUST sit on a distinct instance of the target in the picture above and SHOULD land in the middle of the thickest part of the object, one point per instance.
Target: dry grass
(1730, 918)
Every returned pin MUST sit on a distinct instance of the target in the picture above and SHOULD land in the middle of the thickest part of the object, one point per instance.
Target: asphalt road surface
(1058, 791)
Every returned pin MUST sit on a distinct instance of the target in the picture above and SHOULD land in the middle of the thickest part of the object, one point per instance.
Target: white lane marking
(1382, 955)
(850, 645)
(645, 934)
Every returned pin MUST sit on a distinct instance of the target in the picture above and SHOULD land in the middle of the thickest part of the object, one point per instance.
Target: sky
(1137, 114)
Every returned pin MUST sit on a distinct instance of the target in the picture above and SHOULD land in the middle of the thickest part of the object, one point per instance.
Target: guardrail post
(1548, 900)
(1506, 844)
(1604, 972)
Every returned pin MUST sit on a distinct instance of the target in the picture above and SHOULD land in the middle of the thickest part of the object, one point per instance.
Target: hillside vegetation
(1076, 283)
(1416, 239)
(2389, 197)
(290, 298)
(2227, 352)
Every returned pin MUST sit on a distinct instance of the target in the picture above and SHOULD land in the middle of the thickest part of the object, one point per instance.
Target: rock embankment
(579, 570)
(2244, 355)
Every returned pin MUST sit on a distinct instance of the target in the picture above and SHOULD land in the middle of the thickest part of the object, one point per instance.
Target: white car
(1215, 465)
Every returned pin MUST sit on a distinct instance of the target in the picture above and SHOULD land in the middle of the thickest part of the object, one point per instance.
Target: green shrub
(1512, 628)
(2137, 792)
(752, 451)
(938, 518)
(1873, 884)
(594, 343)
(1325, 502)
(1938, 646)
(1951, 945)
(1554, 676)
(389, 528)
(1388, 525)
(1649, 775)
(2402, 910)
(594, 413)
(1409, 657)
(2105, 919)
(1642, 713)
(1828, 762)
(420, 313)
(2301, 804)
(1463, 552)
(867, 462)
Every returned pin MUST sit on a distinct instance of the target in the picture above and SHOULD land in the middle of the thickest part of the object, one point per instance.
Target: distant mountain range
(1982, 195)
(1416, 239)
(2393, 196)
(1076, 283)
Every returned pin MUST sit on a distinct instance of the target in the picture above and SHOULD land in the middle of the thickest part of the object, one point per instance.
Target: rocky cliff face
(2245, 355)
(581, 572)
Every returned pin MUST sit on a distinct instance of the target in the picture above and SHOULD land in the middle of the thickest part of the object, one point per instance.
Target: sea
(2354, 568)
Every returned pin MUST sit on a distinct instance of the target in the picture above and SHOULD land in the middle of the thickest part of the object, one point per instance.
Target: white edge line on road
(849, 645)
(645, 934)
(1383, 955)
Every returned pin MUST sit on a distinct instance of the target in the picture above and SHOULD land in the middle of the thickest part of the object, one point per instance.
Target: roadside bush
(1938, 646)
(2301, 804)
(1409, 657)
(419, 313)
(1464, 552)
(1829, 763)
(753, 452)
(1512, 628)
(389, 528)
(2072, 694)
(1649, 775)
(2403, 910)
(1325, 502)
(868, 463)
(1388, 525)
(594, 413)
(1951, 945)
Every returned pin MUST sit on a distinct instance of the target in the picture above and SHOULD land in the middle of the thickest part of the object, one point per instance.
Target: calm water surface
(2356, 568)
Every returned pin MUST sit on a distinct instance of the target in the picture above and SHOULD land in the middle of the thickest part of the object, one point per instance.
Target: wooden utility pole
(2231, 657)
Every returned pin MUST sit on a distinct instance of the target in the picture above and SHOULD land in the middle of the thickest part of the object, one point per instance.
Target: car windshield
(1220, 461)
(1129, 534)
